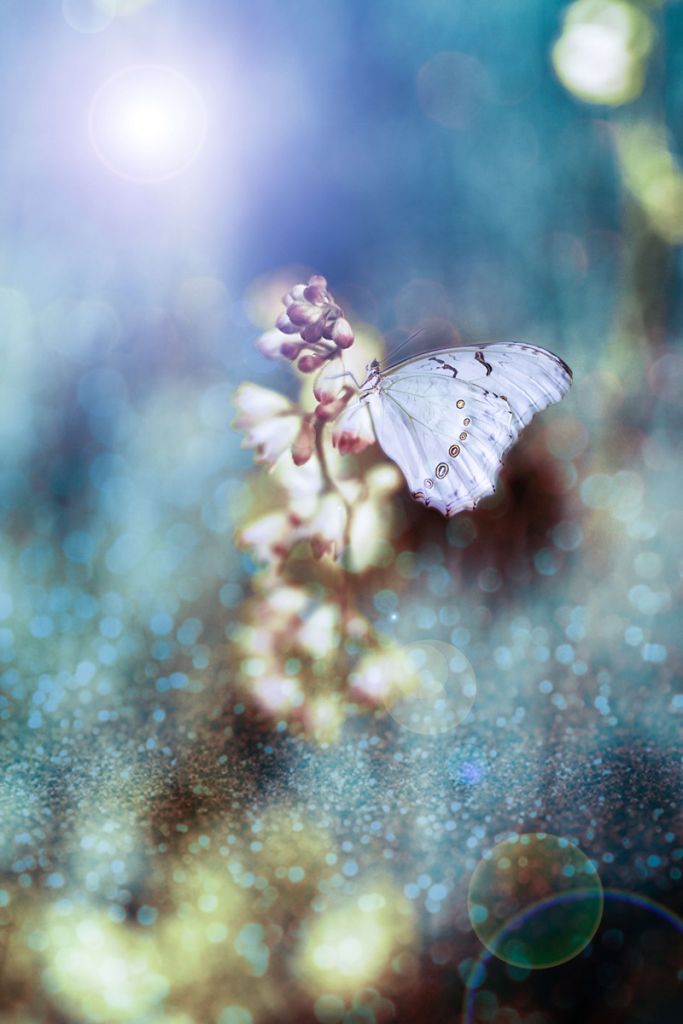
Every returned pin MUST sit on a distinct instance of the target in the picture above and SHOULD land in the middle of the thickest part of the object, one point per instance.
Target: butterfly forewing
(530, 377)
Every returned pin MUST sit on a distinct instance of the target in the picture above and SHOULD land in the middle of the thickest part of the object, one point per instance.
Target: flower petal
(269, 344)
(353, 431)
(255, 404)
(272, 437)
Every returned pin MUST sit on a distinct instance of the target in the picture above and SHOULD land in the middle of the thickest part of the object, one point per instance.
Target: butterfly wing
(529, 377)
(448, 418)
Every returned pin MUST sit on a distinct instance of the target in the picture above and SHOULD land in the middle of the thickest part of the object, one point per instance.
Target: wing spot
(463, 436)
(466, 421)
(441, 470)
(429, 482)
(454, 451)
(444, 365)
(460, 403)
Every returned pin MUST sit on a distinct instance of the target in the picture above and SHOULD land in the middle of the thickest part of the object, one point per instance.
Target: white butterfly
(447, 418)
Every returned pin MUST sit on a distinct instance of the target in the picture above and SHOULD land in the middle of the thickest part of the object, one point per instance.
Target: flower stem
(331, 484)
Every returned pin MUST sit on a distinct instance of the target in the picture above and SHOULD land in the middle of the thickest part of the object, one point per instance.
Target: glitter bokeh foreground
(439, 779)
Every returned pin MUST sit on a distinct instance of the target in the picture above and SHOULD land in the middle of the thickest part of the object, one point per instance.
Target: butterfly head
(372, 369)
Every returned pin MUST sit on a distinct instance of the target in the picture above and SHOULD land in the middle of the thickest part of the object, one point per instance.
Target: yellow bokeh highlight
(601, 54)
(352, 945)
(99, 970)
(651, 175)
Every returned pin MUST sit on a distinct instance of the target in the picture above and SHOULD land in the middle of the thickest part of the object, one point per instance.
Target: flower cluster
(318, 508)
(311, 329)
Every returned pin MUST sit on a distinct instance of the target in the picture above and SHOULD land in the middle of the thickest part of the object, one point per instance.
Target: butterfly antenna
(399, 348)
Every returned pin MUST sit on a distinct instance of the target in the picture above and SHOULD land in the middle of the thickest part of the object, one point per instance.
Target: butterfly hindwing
(448, 438)
(447, 418)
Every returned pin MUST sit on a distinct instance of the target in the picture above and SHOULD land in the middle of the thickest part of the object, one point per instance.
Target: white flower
(377, 674)
(302, 483)
(353, 431)
(328, 526)
(270, 536)
(319, 633)
(330, 381)
(272, 437)
(286, 602)
(255, 404)
(278, 693)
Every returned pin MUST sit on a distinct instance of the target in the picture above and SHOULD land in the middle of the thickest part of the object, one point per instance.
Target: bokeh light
(147, 123)
(433, 689)
(601, 53)
(535, 900)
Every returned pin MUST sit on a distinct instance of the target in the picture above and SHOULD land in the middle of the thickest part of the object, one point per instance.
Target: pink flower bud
(295, 294)
(285, 325)
(312, 332)
(270, 343)
(318, 281)
(315, 294)
(342, 334)
(309, 363)
(302, 313)
(304, 445)
(327, 411)
(291, 349)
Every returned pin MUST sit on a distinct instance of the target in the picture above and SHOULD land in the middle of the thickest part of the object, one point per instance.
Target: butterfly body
(447, 418)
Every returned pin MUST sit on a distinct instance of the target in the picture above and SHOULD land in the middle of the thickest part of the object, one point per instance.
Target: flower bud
(342, 334)
(302, 313)
(304, 445)
(315, 294)
(285, 325)
(295, 294)
(269, 344)
(328, 411)
(318, 281)
(291, 349)
(309, 363)
(312, 333)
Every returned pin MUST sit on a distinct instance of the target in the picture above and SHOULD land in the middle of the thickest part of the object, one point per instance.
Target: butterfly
(448, 417)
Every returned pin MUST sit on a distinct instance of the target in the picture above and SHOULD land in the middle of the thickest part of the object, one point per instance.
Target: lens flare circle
(437, 690)
(642, 987)
(89, 16)
(147, 123)
(535, 901)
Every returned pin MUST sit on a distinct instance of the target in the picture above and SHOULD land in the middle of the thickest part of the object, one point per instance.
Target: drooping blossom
(353, 431)
(271, 422)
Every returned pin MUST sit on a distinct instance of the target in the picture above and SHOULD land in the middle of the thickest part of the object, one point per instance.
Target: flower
(312, 328)
(353, 431)
(270, 536)
(272, 437)
(255, 404)
(328, 526)
(304, 444)
(272, 423)
(298, 643)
